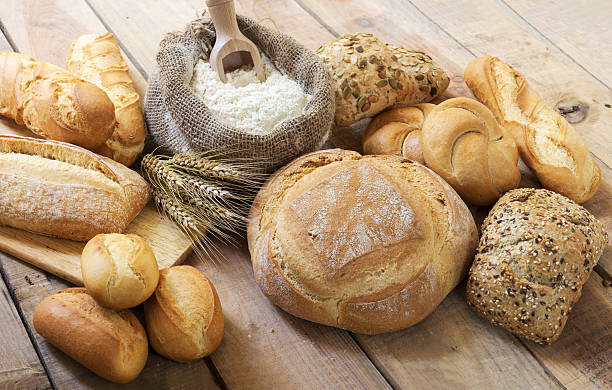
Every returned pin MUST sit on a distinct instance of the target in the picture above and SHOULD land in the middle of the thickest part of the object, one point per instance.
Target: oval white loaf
(371, 244)
(65, 191)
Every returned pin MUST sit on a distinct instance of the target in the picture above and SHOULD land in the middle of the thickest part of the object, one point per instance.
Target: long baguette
(546, 142)
(65, 191)
(97, 59)
(53, 103)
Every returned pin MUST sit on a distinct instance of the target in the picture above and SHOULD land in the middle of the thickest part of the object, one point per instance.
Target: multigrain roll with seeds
(536, 251)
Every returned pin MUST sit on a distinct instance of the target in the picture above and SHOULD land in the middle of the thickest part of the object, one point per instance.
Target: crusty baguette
(397, 132)
(536, 251)
(97, 59)
(463, 143)
(113, 344)
(53, 103)
(65, 191)
(546, 142)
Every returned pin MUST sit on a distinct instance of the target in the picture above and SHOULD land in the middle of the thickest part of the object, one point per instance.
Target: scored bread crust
(397, 132)
(557, 138)
(425, 243)
(97, 59)
(111, 344)
(463, 143)
(536, 251)
(65, 191)
(53, 103)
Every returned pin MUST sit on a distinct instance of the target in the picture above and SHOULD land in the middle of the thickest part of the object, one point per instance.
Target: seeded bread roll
(119, 270)
(112, 344)
(536, 251)
(547, 143)
(184, 316)
(371, 244)
(463, 143)
(397, 132)
(370, 76)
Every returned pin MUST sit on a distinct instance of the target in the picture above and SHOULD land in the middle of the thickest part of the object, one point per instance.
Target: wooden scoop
(232, 49)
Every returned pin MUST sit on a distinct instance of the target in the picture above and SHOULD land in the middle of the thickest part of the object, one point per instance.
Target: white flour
(245, 103)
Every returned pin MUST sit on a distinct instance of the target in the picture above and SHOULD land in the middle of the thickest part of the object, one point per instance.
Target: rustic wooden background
(563, 48)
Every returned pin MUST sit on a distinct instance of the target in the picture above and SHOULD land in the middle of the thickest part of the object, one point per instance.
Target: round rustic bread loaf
(371, 244)
(463, 143)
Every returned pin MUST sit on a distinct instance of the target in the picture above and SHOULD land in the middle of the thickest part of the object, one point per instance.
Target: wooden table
(563, 48)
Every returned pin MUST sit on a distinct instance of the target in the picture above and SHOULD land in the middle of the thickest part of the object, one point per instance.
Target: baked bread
(546, 142)
(370, 76)
(65, 191)
(184, 316)
(536, 251)
(112, 344)
(119, 270)
(97, 59)
(463, 143)
(397, 132)
(53, 103)
(371, 244)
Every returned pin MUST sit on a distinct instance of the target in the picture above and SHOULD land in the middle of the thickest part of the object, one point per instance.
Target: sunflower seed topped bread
(53, 103)
(547, 143)
(370, 76)
(536, 251)
(65, 191)
(371, 244)
(397, 132)
(463, 143)
(97, 59)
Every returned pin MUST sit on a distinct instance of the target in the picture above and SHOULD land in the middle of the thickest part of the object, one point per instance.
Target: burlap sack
(180, 122)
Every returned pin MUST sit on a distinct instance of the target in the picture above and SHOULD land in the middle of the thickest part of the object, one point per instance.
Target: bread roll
(370, 76)
(397, 132)
(463, 143)
(537, 250)
(546, 142)
(184, 316)
(371, 244)
(119, 270)
(97, 59)
(61, 190)
(54, 103)
(111, 344)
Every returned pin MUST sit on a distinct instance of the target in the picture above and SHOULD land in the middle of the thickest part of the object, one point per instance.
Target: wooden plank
(580, 28)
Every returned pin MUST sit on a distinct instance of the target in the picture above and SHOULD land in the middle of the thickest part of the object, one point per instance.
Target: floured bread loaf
(371, 244)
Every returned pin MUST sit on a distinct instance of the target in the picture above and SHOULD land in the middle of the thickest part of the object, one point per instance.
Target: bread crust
(53, 103)
(97, 59)
(328, 281)
(111, 344)
(542, 135)
(65, 191)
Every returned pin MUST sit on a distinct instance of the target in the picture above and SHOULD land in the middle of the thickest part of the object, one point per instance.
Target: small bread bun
(184, 317)
(119, 270)
(111, 344)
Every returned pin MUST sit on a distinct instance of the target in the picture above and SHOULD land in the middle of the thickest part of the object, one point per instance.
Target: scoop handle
(223, 15)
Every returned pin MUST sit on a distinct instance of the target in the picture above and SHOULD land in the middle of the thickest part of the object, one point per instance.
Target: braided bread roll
(397, 132)
(53, 103)
(97, 58)
(463, 143)
(547, 143)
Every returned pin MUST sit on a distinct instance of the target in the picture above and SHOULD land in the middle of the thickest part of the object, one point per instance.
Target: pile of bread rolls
(94, 325)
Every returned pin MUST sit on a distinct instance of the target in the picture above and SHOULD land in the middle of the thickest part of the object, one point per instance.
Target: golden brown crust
(65, 191)
(463, 143)
(546, 142)
(111, 344)
(184, 316)
(54, 103)
(97, 59)
(537, 250)
(397, 132)
(367, 243)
